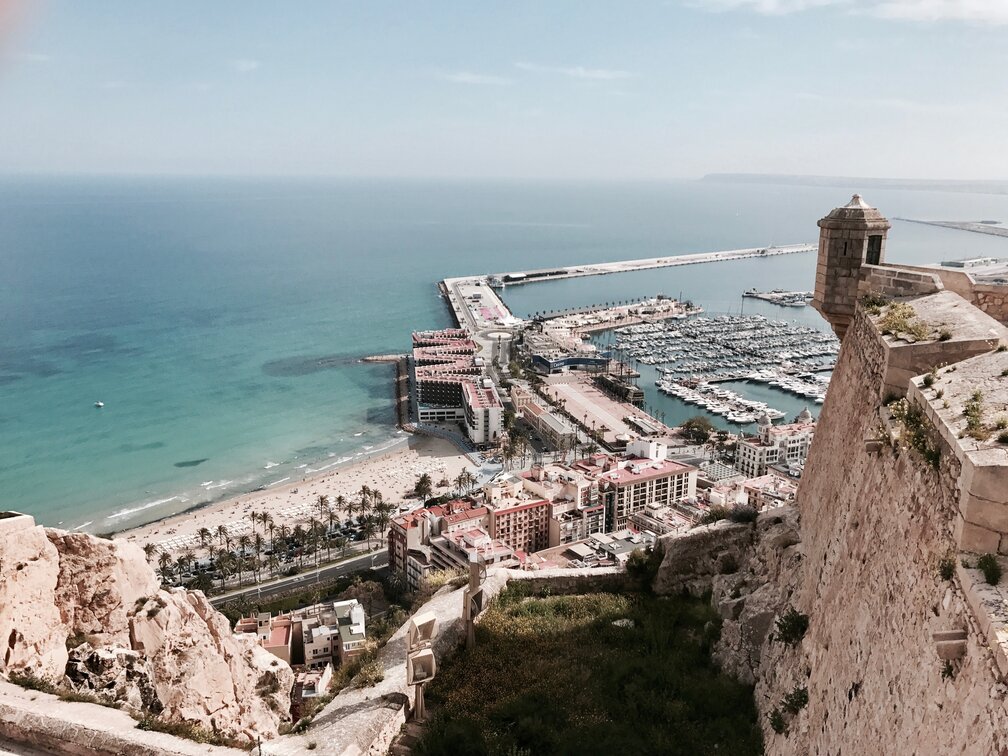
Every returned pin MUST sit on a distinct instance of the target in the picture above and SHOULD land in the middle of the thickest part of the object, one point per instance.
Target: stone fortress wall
(896, 659)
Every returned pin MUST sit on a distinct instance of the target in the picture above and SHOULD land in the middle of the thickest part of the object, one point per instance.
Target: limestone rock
(32, 635)
(167, 654)
(204, 673)
(114, 674)
(99, 581)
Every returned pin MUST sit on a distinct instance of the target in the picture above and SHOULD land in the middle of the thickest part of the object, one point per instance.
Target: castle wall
(874, 527)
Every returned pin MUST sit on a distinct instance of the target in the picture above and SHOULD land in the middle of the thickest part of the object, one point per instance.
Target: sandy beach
(394, 474)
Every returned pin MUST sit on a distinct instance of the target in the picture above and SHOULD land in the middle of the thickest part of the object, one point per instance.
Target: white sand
(394, 474)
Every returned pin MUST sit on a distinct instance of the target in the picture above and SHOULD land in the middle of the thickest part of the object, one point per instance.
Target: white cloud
(468, 77)
(244, 65)
(577, 72)
(982, 11)
(26, 57)
(977, 11)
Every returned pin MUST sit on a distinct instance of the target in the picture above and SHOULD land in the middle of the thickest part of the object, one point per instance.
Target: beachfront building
(775, 444)
(630, 485)
(484, 412)
(408, 531)
(449, 385)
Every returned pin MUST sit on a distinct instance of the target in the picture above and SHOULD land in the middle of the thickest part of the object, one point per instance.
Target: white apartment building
(787, 444)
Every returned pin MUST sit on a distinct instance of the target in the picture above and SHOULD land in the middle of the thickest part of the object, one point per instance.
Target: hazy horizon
(591, 91)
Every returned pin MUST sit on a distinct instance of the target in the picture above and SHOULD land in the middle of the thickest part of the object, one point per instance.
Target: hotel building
(449, 385)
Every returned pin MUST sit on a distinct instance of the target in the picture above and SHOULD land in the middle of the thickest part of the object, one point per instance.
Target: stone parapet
(41, 721)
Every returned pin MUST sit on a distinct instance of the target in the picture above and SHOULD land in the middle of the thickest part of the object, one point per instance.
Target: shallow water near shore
(222, 321)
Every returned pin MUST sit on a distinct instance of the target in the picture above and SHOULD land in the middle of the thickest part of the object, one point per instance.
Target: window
(874, 253)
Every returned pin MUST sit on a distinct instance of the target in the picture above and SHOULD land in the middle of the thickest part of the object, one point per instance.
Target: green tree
(697, 429)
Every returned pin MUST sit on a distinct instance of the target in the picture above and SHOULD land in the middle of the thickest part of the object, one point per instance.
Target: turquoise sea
(221, 321)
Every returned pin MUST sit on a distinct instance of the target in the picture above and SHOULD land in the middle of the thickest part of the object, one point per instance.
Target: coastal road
(374, 560)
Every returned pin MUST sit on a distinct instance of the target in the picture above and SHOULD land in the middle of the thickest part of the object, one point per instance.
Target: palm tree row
(243, 555)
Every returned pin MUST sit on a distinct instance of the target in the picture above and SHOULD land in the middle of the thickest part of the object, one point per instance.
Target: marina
(692, 356)
(781, 297)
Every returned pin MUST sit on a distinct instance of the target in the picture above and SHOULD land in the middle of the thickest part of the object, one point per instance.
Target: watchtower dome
(849, 237)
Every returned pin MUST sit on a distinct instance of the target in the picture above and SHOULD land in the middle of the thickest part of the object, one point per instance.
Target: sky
(546, 89)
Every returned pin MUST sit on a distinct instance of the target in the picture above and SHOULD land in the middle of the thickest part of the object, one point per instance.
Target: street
(375, 560)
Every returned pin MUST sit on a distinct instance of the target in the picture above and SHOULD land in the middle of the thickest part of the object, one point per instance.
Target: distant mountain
(942, 185)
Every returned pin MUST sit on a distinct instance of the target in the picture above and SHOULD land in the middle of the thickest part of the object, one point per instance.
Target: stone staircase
(407, 739)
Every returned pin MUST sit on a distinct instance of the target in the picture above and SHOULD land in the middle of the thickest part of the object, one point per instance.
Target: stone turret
(849, 237)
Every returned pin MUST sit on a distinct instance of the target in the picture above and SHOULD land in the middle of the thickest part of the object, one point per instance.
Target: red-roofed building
(634, 484)
(410, 534)
(522, 525)
(449, 385)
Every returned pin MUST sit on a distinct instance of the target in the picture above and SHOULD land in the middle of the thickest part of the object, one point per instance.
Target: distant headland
(940, 185)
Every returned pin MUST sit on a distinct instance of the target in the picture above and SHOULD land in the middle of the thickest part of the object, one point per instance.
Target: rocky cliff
(88, 614)
(897, 657)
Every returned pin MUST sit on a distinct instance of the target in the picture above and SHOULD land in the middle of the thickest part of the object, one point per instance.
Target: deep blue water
(221, 320)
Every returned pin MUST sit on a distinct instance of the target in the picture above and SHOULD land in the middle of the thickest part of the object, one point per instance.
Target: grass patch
(946, 568)
(973, 412)
(29, 681)
(915, 432)
(900, 318)
(555, 676)
(189, 731)
(988, 565)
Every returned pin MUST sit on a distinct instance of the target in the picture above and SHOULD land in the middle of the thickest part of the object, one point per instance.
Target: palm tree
(272, 563)
(258, 543)
(254, 516)
(150, 550)
(224, 561)
(368, 527)
(165, 562)
(424, 487)
(244, 544)
(383, 515)
(313, 537)
(211, 553)
(330, 516)
(298, 536)
(205, 536)
(465, 481)
(364, 503)
(267, 521)
(323, 501)
(222, 533)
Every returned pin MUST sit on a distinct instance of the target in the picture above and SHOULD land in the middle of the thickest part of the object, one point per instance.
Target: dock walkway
(626, 266)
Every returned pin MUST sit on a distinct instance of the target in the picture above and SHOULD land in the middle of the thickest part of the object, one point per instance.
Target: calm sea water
(221, 321)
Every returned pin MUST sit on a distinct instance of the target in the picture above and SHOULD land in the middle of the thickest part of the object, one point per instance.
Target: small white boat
(99, 405)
